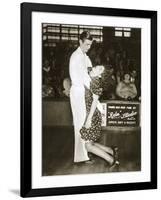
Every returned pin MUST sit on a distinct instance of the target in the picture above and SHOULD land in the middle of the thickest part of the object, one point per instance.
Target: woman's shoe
(115, 152)
(114, 167)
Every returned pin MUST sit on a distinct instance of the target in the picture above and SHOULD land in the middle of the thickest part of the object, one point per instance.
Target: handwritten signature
(117, 115)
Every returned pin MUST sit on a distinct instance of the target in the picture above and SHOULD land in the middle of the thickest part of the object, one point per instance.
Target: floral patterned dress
(94, 132)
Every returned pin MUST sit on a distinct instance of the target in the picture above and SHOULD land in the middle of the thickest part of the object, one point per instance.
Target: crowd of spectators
(122, 79)
(55, 69)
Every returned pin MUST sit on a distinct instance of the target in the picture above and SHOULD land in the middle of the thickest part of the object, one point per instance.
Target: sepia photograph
(88, 100)
(91, 99)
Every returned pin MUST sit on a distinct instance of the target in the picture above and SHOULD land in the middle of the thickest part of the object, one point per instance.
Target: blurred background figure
(66, 86)
(126, 89)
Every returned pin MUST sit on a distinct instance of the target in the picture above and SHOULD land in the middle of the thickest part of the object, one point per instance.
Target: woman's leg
(104, 148)
(99, 152)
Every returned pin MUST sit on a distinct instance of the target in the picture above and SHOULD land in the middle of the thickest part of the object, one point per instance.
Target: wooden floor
(58, 145)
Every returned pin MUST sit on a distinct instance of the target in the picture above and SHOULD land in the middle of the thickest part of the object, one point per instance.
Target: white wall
(9, 100)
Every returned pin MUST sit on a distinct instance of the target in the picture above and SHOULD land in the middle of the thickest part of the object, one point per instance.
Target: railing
(116, 114)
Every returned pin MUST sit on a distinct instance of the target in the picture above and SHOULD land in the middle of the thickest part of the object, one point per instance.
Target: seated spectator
(120, 72)
(108, 84)
(46, 69)
(66, 85)
(46, 66)
(47, 91)
(126, 89)
(135, 78)
(133, 74)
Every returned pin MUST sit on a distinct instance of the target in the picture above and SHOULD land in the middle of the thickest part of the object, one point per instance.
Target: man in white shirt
(79, 62)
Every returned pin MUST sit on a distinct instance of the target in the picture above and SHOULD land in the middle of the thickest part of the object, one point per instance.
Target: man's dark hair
(85, 35)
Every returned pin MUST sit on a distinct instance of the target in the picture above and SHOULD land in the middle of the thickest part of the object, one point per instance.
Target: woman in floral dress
(91, 130)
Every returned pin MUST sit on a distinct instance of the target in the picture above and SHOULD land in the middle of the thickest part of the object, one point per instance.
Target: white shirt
(79, 62)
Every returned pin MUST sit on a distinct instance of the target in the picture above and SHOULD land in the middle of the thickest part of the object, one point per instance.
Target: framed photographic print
(88, 99)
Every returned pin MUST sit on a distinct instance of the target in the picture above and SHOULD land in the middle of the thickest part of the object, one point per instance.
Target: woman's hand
(88, 122)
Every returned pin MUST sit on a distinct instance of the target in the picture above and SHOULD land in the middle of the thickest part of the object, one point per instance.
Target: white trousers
(77, 100)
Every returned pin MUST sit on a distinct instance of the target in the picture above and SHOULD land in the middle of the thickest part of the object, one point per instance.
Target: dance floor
(58, 145)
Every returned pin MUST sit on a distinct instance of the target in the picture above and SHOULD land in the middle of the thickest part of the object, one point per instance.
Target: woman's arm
(92, 110)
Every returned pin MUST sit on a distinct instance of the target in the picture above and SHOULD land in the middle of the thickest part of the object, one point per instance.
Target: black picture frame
(26, 99)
